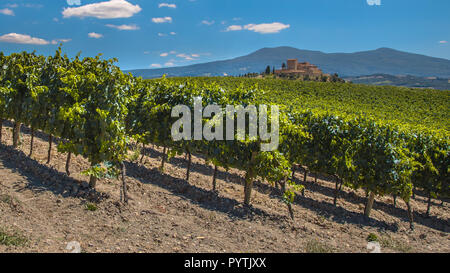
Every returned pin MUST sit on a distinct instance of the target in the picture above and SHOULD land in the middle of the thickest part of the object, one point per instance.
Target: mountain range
(379, 61)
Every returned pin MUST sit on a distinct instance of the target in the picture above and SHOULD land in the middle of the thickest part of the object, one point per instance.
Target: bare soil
(48, 209)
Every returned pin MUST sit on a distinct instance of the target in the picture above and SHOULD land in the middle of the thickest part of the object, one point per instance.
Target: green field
(385, 140)
(409, 107)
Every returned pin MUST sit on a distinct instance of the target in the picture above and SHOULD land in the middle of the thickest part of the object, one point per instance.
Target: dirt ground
(42, 210)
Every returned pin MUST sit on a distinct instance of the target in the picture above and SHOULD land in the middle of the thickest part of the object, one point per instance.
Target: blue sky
(163, 33)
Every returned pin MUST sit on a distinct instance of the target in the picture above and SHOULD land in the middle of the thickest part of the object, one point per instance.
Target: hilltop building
(296, 69)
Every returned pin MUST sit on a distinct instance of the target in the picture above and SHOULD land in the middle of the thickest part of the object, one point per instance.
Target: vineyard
(407, 107)
(386, 141)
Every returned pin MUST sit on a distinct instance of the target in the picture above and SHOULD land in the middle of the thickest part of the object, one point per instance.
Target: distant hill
(406, 81)
(380, 61)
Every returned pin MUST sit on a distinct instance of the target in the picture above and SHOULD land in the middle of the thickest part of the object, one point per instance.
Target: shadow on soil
(60, 184)
(42, 178)
(337, 214)
(234, 209)
(198, 196)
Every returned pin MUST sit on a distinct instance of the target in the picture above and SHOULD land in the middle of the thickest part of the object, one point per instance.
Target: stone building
(296, 69)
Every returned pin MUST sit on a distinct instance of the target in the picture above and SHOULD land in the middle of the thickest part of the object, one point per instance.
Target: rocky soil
(42, 210)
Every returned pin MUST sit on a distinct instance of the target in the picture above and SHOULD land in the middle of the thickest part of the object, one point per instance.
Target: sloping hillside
(403, 80)
(383, 60)
(42, 210)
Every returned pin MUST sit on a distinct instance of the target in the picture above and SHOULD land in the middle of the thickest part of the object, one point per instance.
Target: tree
(335, 78)
(268, 70)
(94, 122)
(20, 75)
(283, 66)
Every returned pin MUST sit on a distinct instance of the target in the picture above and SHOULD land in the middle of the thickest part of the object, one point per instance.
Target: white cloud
(443, 42)
(234, 28)
(165, 34)
(267, 28)
(57, 41)
(173, 52)
(26, 5)
(161, 20)
(169, 64)
(33, 6)
(73, 2)
(188, 57)
(123, 27)
(155, 66)
(374, 2)
(260, 28)
(104, 10)
(95, 35)
(185, 56)
(166, 5)
(208, 23)
(16, 38)
(9, 12)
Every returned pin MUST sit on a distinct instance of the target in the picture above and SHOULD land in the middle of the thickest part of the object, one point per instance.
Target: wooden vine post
(289, 205)
(1, 129)
(16, 134)
(369, 204)
(143, 153)
(188, 171)
(31, 142)
(49, 154)
(69, 155)
(124, 197)
(163, 161)
(337, 190)
(215, 179)
(410, 215)
(249, 176)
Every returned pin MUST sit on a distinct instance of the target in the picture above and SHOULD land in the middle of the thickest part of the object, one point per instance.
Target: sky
(166, 33)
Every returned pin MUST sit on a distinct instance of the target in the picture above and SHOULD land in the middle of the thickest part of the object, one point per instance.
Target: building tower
(292, 64)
